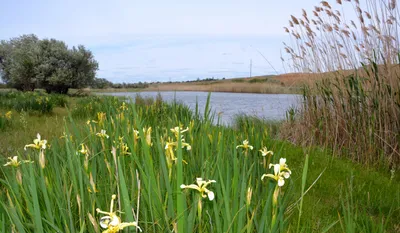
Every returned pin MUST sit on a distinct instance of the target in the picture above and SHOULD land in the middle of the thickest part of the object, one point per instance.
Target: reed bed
(225, 86)
(355, 109)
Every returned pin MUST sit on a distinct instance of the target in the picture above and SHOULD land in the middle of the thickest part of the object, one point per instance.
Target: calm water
(267, 106)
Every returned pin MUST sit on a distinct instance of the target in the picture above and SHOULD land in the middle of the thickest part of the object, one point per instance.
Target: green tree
(101, 83)
(18, 59)
(27, 62)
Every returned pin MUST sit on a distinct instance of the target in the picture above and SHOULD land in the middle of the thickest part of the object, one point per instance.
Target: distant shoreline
(268, 84)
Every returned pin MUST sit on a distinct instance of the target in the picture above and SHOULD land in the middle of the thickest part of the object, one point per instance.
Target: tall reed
(355, 108)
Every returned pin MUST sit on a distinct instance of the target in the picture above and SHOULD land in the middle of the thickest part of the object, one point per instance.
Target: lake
(267, 106)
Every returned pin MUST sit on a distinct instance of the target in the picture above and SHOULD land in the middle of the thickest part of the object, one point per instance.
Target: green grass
(61, 196)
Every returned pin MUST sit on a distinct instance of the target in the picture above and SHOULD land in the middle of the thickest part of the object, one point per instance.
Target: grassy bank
(83, 167)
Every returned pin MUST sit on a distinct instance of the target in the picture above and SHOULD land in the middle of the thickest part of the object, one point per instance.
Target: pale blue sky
(162, 40)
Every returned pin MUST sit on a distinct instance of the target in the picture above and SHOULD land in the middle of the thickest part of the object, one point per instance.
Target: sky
(163, 40)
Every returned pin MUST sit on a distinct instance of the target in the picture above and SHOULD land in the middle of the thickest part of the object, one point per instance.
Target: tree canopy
(26, 62)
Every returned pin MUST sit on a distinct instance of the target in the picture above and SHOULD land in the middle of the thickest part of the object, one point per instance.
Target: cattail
(343, 55)
(339, 2)
(328, 12)
(315, 13)
(317, 9)
(356, 1)
(294, 19)
(291, 23)
(357, 48)
(389, 21)
(301, 22)
(308, 44)
(338, 13)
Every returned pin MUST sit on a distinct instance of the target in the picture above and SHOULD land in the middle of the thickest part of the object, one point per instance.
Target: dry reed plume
(356, 108)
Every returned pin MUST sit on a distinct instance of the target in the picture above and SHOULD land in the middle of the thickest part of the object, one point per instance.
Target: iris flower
(264, 151)
(245, 145)
(37, 143)
(8, 115)
(102, 134)
(83, 149)
(15, 163)
(112, 222)
(201, 186)
(281, 172)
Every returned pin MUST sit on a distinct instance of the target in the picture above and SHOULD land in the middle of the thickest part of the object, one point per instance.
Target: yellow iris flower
(264, 151)
(147, 133)
(8, 115)
(176, 130)
(112, 223)
(245, 145)
(37, 143)
(83, 149)
(102, 134)
(201, 186)
(123, 107)
(15, 163)
(281, 172)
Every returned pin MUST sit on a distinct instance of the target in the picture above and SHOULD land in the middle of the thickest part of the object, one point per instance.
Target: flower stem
(199, 212)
